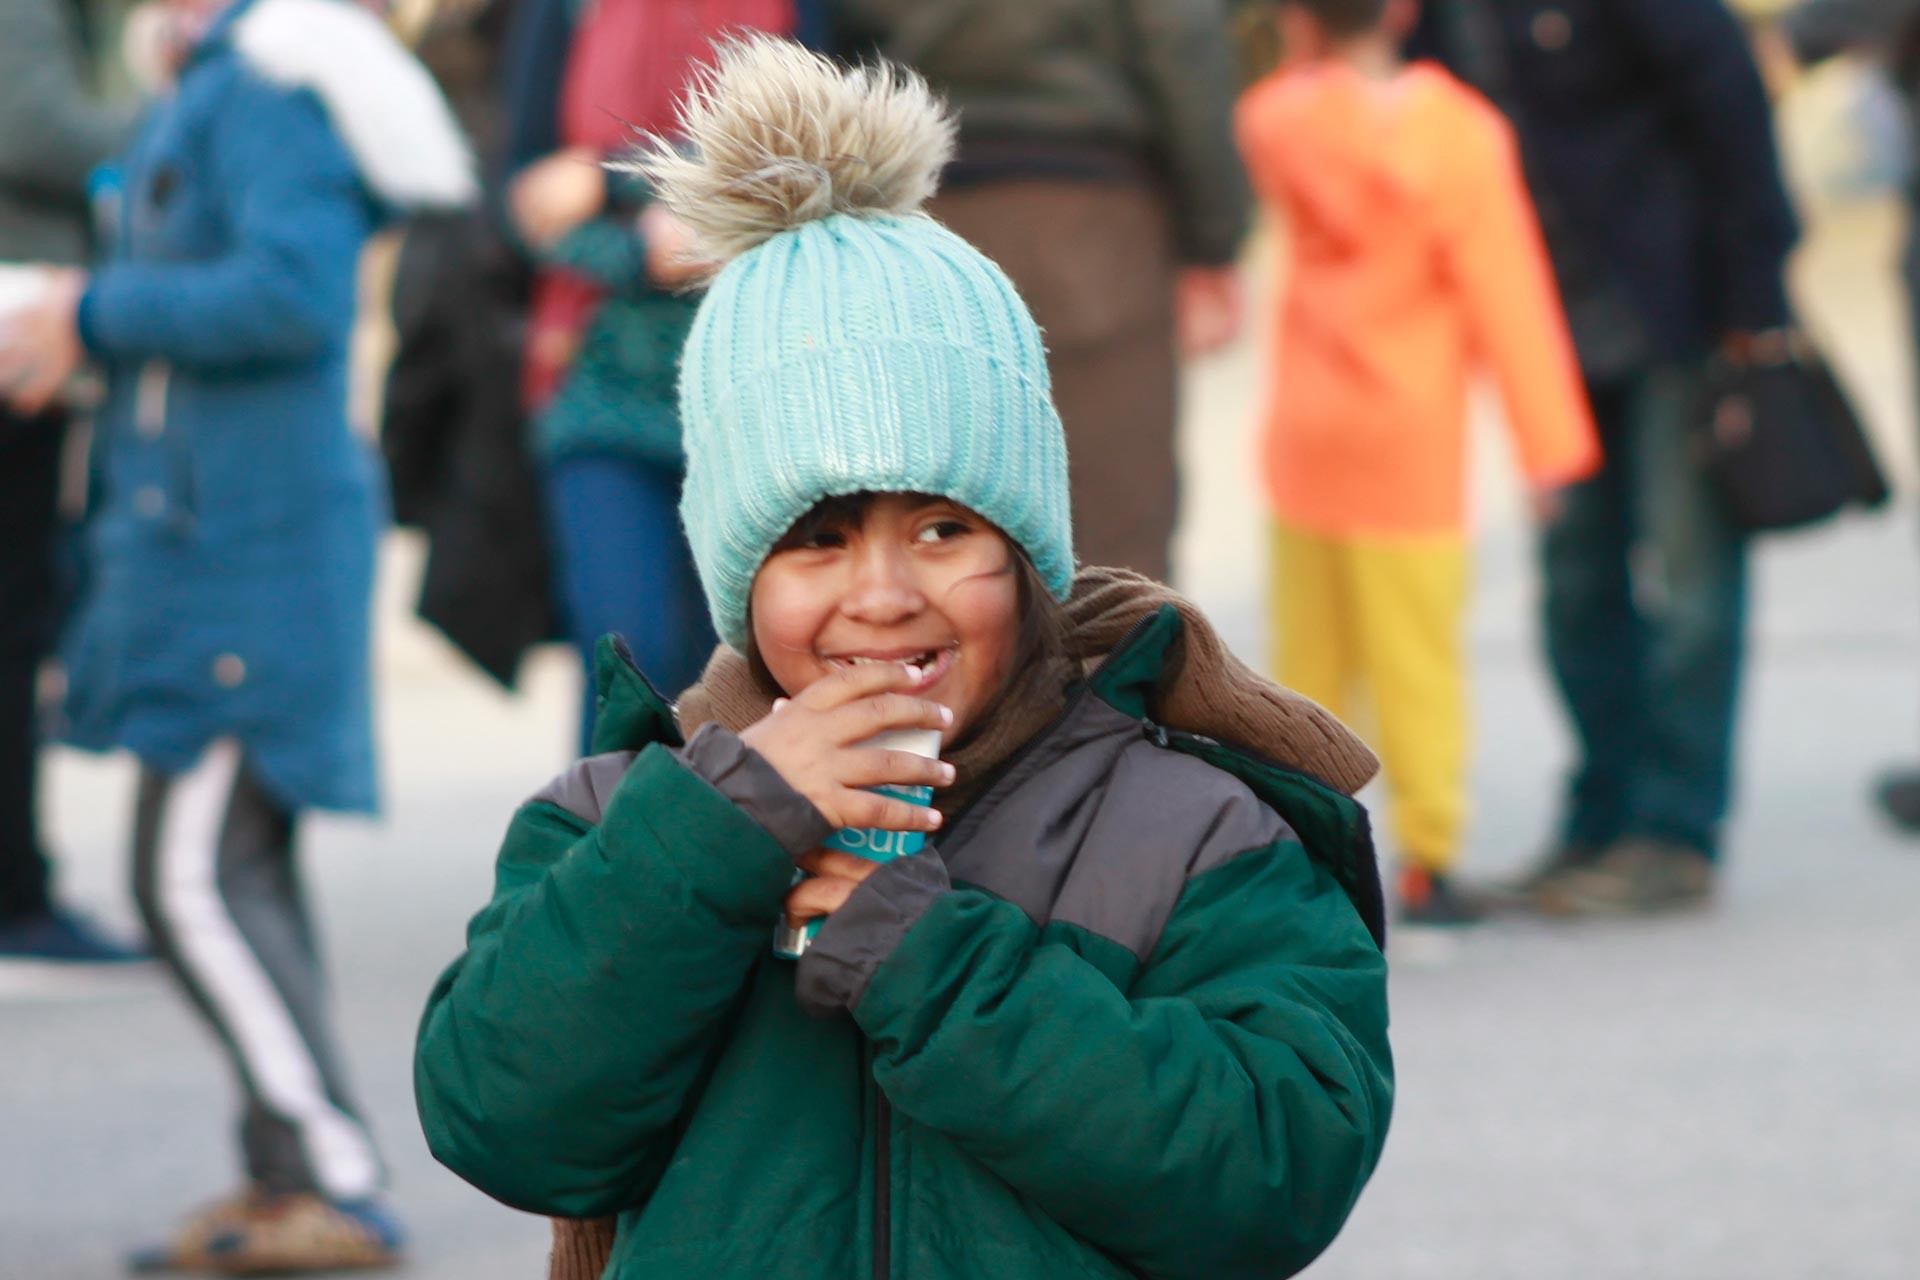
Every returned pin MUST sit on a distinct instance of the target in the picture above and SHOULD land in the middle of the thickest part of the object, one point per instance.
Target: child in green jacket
(1124, 1014)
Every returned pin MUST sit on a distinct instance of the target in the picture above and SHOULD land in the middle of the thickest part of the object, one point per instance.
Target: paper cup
(872, 843)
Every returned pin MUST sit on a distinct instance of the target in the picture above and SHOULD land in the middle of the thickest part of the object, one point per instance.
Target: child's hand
(554, 195)
(813, 739)
(832, 877)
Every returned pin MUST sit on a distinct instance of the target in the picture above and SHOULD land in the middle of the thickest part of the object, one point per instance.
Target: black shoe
(1899, 797)
(1431, 900)
(1643, 876)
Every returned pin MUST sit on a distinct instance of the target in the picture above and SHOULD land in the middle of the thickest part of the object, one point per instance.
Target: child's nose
(883, 589)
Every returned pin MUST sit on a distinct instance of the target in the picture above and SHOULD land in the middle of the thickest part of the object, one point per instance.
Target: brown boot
(1521, 893)
(1640, 876)
(187, 1249)
(293, 1234)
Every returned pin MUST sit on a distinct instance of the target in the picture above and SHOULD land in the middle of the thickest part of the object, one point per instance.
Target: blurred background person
(1096, 167)
(223, 637)
(452, 429)
(610, 312)
(53, 131)
(1648, 144)
(1414, 261)
(1889, 32)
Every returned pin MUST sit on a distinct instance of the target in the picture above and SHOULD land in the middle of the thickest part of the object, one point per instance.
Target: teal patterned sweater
(620, 397)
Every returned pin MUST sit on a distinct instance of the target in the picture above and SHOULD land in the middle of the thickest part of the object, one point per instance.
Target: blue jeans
(624, 567)
(1646, 603)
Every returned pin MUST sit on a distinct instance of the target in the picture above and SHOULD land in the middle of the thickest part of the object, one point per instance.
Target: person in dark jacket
(1647, 141)
(452, 429)
(223, 639)
(1097, 168)
(1819, 29)
(1142, 966)
(52, 134)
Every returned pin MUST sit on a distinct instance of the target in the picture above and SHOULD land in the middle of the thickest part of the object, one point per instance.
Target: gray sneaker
(1637, 876)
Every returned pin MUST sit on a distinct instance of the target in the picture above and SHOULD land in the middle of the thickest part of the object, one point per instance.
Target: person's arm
(631, 903)
(1262, 137)
(283, 291)
(1722, 118)
(610, 251)
(1497, 260)
(1214, 1118)
(1185, 63)
(52, 132)
(1820, 29)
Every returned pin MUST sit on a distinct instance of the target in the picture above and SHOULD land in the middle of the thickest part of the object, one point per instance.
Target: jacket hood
(1148, 647)
(1172, 672)
(391, 115)
(1358, 153)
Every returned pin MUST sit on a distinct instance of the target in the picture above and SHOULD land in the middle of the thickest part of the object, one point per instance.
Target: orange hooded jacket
(1416, 262)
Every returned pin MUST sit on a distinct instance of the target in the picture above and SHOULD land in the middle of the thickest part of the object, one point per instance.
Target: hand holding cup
(816, 741)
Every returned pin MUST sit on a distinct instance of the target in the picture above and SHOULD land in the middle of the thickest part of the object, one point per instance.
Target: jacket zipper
(882, 1178)
(882, 1109)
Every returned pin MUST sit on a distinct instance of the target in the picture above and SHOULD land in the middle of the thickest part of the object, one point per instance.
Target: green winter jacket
(1127, 1020)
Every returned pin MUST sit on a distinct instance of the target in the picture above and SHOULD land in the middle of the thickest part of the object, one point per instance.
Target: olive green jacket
(1154, 76)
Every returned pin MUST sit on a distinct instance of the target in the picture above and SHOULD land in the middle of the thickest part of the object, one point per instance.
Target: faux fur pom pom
(774, 136)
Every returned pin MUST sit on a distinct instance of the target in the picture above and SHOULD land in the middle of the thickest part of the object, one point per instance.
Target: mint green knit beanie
(849, 342)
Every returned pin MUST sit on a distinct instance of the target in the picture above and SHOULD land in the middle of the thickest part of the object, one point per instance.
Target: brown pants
(1094, 262)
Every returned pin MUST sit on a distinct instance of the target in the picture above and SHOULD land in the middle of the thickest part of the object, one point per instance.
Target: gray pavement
(1728, 1096)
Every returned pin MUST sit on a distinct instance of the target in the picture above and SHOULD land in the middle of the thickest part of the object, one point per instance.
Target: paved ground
(1731, 1096)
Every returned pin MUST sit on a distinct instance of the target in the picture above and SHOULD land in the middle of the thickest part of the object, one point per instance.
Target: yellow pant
(1382, 617)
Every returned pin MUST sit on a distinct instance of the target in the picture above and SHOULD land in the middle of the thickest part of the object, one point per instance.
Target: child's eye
(823, 540)
(942, 530)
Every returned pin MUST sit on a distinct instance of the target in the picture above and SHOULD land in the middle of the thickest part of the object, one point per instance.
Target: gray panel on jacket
(1101, 828)
(586, 788)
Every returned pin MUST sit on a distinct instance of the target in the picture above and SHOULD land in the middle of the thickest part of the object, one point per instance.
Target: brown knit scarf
(1206, 691)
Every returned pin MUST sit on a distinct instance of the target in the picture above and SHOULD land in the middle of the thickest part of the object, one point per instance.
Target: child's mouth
(932, 664)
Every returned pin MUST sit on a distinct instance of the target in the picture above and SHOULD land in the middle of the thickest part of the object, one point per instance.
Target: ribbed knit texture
(581, 1248)
(851, 354)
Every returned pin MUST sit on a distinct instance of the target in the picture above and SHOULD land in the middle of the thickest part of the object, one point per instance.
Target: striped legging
(215, 879)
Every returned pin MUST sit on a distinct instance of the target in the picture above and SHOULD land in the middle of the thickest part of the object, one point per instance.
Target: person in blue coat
(223, 633)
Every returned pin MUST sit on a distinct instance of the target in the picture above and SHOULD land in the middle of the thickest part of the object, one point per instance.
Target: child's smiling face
(894, 578)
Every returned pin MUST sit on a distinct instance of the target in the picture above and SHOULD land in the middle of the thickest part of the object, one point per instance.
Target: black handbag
(1782, 442)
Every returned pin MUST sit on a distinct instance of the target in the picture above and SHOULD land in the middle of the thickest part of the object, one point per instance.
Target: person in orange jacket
(1416, 263)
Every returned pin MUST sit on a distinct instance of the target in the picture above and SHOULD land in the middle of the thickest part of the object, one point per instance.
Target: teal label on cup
(871, 843)
(877, 845)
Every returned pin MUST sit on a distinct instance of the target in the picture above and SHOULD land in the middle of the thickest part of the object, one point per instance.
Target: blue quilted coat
(230, 545)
